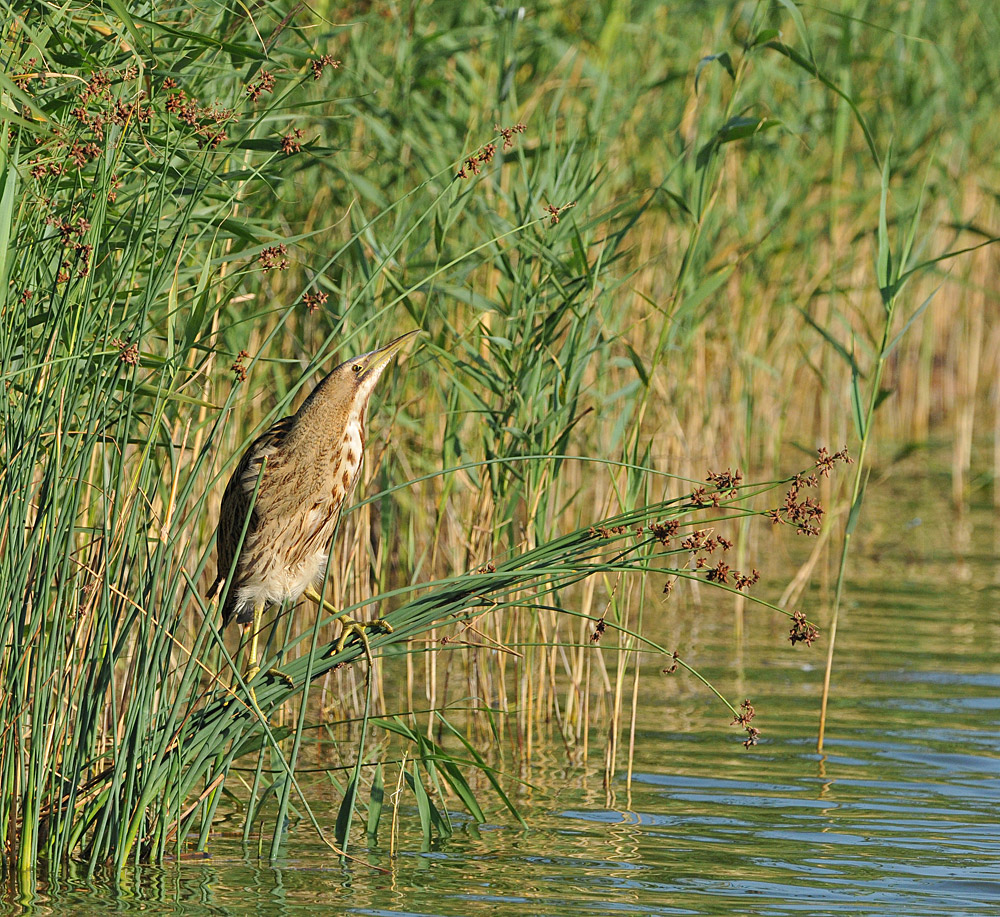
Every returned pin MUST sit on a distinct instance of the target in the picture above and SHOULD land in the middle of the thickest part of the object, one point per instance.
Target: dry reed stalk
(972, 341)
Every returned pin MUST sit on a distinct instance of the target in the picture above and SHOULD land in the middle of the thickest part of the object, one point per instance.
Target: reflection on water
(900, 816)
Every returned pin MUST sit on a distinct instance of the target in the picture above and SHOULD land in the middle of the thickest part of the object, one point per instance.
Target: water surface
(899, 816)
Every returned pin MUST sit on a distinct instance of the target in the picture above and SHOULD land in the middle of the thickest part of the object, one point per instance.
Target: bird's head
(364, 370)
(348, 387)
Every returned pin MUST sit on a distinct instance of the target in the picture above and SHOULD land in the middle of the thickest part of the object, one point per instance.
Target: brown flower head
(664, 531)
(239, 366)
(314, 301)
(264, 84)
(726, 482)
(273, 258)
(127, 353)
(719, 573)
(290, 142)
(556, 212)
(802, 631)
(507, 133)
(320, 64)
(825, 461)
(743, 718)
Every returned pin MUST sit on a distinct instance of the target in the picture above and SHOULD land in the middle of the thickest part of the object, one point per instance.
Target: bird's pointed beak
(376, 360)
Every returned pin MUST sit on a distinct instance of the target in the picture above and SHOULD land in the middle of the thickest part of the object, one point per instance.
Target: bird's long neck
(329, 435)
(351, 450)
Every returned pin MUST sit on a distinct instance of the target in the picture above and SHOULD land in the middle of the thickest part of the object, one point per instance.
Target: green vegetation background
(693, 256)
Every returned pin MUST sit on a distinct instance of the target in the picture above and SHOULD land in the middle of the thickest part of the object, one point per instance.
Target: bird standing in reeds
(287, 493)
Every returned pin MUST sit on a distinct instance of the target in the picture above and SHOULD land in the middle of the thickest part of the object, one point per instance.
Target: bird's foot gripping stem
(254, 670)
(360, 630)
(275, 672)
(351, 628)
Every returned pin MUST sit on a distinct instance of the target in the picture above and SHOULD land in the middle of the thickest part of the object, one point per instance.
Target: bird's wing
(236, 504)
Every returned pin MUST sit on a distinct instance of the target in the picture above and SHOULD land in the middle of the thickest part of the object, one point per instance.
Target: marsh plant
(628, 288)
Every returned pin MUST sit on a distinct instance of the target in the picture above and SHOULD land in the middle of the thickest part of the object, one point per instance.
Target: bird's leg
(350, 626)
(252, 666)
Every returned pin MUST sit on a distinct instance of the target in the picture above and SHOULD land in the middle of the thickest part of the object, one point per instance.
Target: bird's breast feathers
(300, 519)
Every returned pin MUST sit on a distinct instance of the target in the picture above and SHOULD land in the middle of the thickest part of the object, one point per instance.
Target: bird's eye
(356, 368)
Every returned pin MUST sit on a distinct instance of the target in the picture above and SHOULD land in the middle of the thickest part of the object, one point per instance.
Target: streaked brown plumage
(310, 461)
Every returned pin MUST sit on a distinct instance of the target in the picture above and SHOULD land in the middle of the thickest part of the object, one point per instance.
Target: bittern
(293, 481)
